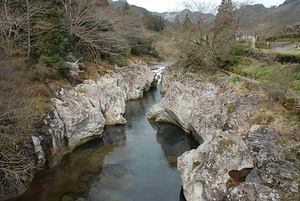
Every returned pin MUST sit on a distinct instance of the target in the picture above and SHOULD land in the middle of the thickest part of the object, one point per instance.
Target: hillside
(288, 13)
(137, 9)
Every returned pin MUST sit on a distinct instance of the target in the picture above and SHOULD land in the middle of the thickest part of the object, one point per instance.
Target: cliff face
(233, 163)
(81, 113)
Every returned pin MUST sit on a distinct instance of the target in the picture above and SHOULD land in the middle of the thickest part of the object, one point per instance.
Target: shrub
(63, 68)
(283, 36)
(238, 52)
(235, 79)
(46, 60)
(288, 58)
(262, 45)
(141, 46)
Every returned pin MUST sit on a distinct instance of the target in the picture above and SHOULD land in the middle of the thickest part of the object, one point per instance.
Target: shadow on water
(77, 171)
(133, 162)
(174, 142)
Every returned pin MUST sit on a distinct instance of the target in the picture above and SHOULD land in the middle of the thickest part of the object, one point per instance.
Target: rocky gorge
(81, 113)
(237, 160)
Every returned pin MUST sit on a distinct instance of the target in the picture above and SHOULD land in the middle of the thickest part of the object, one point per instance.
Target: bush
(238, 50)
(142, 46)
(288, 58)
(47, 61)
(235, 79)
(154, 23)
(63, 69)
(283, 36)
(237, 53)
(262, 45)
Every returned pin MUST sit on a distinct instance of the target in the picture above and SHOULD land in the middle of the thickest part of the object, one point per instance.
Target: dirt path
(288, 47)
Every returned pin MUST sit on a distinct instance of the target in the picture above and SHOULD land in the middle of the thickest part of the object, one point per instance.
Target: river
(133, 162)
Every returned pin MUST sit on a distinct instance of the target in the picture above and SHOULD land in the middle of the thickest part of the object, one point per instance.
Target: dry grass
(23, 102)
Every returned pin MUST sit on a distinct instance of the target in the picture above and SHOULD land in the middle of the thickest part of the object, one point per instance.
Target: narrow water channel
(134, 162)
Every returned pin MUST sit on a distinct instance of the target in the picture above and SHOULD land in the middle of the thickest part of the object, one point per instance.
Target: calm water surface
(135, 162)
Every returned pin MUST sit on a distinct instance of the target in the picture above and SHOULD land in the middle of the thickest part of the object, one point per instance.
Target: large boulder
(76, 117)
(216, 165)
(175, 107)
(138, 79)
(192, 105)
(112, 96)
(171, 74)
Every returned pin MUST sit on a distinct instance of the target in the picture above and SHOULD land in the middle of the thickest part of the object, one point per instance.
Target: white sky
(176, 5)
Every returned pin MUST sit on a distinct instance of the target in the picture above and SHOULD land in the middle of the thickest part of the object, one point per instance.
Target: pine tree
(126, 7)
(224, 30)
(177, 20)
(187, 21)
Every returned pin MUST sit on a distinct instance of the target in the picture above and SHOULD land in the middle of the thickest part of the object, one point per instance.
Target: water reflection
(130, 163)
(144, 169)
(174, 142)
(77, 171)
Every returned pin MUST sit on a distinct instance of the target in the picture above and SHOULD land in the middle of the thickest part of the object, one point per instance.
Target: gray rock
(138, 79)
(81, 113)
(193, 106)
(39, 149)
(270, 163)
(208, 171)
(175, 107)
(112, 96)
(216, 110)
(252, 192)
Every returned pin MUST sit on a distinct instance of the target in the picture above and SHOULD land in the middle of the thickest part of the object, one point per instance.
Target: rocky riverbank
(238, 160)
(80, 113)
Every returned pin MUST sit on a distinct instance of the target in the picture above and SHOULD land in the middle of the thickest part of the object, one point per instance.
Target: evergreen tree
(187, 21)
(126, 7)
(224, 29)
(177, 20)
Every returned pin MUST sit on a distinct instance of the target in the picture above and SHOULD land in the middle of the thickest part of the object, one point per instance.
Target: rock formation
(81, 112)
(215, 165)
(218, 111)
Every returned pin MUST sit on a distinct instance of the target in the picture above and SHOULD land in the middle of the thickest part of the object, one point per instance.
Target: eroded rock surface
(208, 171)
(203, 107)
(252, 192)
(232, 163)
(270, 163)
(81, 112)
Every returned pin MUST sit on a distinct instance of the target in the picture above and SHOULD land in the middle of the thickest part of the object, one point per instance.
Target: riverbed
(132, 162)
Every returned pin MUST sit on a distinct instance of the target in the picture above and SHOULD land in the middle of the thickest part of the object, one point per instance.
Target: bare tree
(91, 26)
(16, 16)
(206, 42)
(32, 9)
(11, 19)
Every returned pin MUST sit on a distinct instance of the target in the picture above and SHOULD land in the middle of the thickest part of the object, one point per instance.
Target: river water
(133, 162)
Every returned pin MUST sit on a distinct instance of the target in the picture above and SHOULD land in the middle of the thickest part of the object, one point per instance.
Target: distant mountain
(169, 16)
(194, 16)
(288, 2)
(285, 14)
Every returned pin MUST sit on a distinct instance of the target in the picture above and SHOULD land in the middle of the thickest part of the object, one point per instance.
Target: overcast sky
(176, 5)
